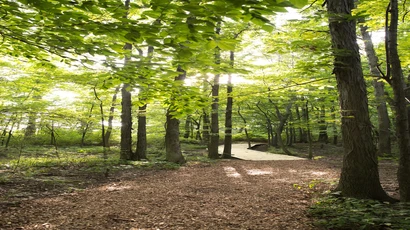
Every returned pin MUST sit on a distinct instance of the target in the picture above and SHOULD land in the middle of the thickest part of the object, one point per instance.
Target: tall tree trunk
(402, 126)
(126, 110)
(126, 123)
(141, 151)
(107, 135)
(227, 152)
(360, 175)
(384, 144)
(172, 143)
(214, 135)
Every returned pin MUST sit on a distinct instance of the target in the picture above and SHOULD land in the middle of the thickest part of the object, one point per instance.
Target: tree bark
(141, 151)
(126, 112)
(188, 124)
(279, 129)
(172, 143)
(214, 135)
(227, 152)
(402, 126)
(384, 143)
(107, 135)
(360, 175)
(126, 123)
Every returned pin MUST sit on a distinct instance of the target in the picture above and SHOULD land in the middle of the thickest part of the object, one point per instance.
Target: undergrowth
(348, 213)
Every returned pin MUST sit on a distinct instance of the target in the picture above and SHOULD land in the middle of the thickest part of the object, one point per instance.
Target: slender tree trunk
(107, 135)
(402, 125)
(360, 175)
(141, 151)
(187, 126)
(126, 123)
(87, 123)
(282, 120)
(126, 108)
(227, 153)
(172, 143)
(384, 144)
(214, 135)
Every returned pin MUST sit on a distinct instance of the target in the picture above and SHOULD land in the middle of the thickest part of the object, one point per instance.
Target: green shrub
(349, 213)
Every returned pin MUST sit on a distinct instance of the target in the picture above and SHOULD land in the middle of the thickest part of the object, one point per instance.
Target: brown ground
(230, 194)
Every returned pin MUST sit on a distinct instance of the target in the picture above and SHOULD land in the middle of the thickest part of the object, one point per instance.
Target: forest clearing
(146, 114)
(229, 194)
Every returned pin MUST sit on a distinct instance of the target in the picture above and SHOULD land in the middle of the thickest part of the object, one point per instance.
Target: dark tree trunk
(126, 123)
(172, 143)
(107, 135)
(227, 153)
(360, 175)
(126, 109)
(279, 129)
(141, 151)
(384, 143)
(303, 133)
(187, 126)
(402, 126)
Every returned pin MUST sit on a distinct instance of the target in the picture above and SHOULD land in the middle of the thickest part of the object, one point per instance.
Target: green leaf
(268, 28)
(299, 3)
(211, 45)
(226, 44)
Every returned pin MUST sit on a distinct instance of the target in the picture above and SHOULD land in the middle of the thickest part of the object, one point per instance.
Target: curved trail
(241, 151)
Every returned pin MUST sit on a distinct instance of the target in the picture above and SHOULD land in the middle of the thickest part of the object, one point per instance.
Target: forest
(124, 114)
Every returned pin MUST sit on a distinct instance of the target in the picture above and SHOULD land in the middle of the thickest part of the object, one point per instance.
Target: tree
(360, 176)
(384, 143)
(402, 122)
(172, 144)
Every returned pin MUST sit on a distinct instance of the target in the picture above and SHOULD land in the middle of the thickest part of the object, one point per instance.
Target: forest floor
(226, 194)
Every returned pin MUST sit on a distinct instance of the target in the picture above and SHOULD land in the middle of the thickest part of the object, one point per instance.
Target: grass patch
(348, 213)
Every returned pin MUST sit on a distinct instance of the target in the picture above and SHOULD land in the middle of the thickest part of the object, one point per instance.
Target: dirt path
(230, 194)
(241, 151)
